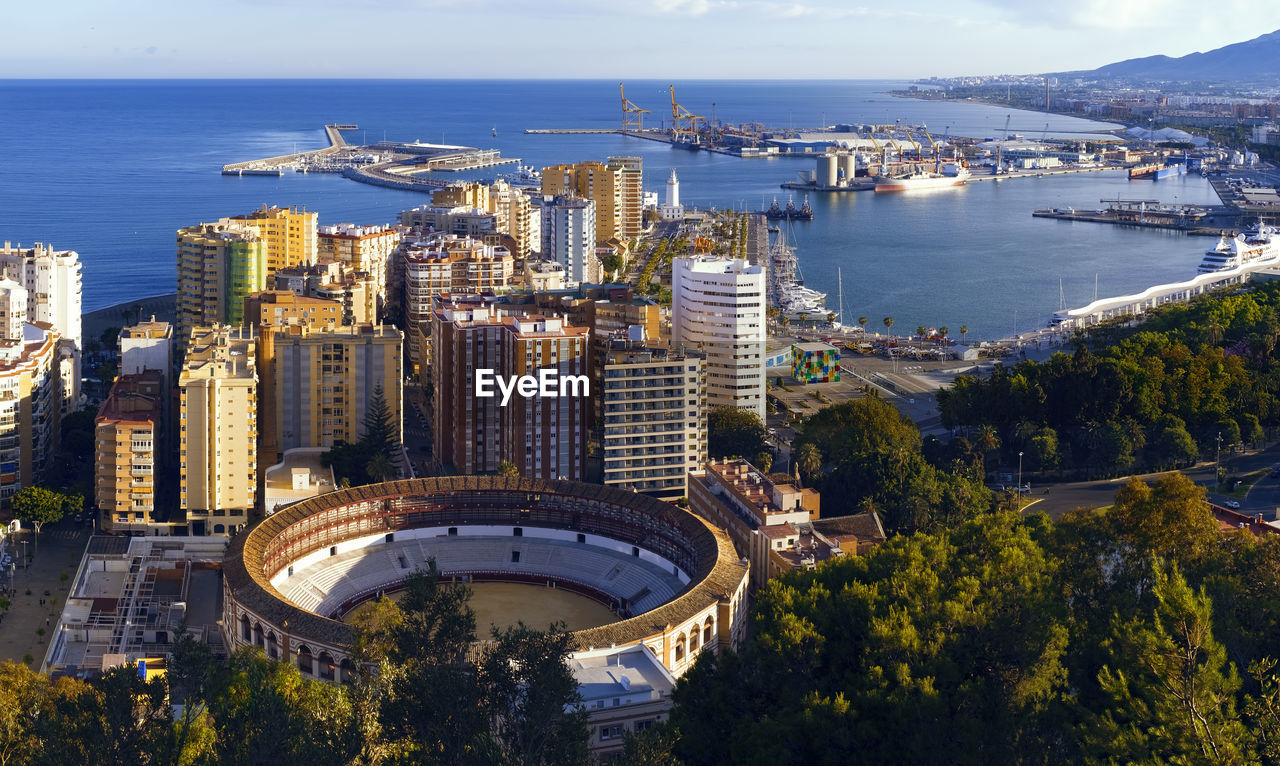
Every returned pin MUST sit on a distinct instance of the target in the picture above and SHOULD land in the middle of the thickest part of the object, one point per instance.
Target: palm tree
(921, 331)
(379, 468)
(808, 460)
(831, 318)
(942, 332)
(964, 330)
(888, 325)
(862, 321)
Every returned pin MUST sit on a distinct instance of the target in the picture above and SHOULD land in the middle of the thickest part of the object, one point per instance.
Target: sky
(684, 39)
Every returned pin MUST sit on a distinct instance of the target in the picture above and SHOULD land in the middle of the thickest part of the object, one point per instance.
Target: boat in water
(790, 212)
(921, 180)
(1258, 245)
(524, 175)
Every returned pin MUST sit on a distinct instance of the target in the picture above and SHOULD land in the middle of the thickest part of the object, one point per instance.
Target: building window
(610, 732)
(517, 531)
(582, 538)
(515, 557)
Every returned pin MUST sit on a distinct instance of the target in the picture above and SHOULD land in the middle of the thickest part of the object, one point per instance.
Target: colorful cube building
(815, 363)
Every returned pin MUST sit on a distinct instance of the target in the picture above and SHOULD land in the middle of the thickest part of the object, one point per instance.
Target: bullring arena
(669, 580)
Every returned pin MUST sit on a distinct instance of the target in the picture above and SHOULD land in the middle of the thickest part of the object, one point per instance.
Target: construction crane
(1007, 117)
(932, 144)
(1045, 134)
(628, 109)
(683, 122)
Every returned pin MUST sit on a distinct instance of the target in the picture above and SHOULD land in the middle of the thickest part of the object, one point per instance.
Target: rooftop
(632, 674)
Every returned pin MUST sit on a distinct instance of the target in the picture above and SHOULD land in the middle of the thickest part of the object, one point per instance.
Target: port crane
(628, 109)
(1007, 118)
(683, 122)
(933, 145)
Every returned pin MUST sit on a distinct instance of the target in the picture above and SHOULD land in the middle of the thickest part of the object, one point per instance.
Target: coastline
(163, 307)
(1117, 131)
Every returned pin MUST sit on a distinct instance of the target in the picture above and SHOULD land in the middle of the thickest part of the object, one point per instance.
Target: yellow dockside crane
(628, 109)
(683, 122)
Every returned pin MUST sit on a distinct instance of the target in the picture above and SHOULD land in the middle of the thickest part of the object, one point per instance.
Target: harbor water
(112, 168)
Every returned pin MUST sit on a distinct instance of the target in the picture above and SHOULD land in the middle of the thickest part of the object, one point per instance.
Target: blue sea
(112, 168)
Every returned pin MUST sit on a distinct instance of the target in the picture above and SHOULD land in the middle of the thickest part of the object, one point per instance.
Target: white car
(1232, 504)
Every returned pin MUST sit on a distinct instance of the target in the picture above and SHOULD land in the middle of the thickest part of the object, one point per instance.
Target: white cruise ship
(1255, 246)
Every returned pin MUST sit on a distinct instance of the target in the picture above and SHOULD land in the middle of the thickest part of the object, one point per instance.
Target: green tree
(432, 705)
(1169, 519)
(264, 711)
(507, 468)
(379, 468)
(957, 633)
(377, 431)
(531, 699)
(37, 506)
(856, 426)
(27, 699)
(888, 325)
(763, 460)
(862, 322)
(116, 718)
(734, 432)
(808, 460)
(1170, 689)
(964, 332)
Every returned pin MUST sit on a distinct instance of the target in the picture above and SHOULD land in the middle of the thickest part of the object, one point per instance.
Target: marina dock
(1207, 220)
(386, 163)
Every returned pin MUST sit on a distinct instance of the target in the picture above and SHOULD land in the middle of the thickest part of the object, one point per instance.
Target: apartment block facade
(653, 419)
(128, 435)
(218, 430)
(543, 436)
(30, 406)
(219, 265)
(316, 384)
(718, 306)
(288, 233)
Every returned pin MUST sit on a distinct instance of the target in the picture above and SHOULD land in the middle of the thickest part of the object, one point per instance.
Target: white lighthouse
(671, 210)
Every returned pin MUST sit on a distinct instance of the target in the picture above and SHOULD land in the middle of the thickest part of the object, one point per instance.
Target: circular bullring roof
(703, 552)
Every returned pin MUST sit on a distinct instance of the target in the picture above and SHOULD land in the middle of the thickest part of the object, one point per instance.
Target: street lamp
(1217, 463)
(1019, 472)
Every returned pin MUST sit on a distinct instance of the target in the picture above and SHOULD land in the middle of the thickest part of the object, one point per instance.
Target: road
(1263, 497)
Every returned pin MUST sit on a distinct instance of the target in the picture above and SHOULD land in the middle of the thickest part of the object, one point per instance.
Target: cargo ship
(922, 180)
(1156, 171)
(790, 212)
(1144, 171)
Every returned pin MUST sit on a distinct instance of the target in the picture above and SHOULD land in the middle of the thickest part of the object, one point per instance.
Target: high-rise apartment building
(218, 430)
(219, 265)
(543, 436)
(13, 308)
(654, 423)
(569, 236)
(459, 220)
(289, 235)
(367, 249)
(444, 265)
(316, 385)
(631, 211)
(30, 406)
(514, 210)
(602, 184)
(129, 434)
(718, 306)
(52, 279)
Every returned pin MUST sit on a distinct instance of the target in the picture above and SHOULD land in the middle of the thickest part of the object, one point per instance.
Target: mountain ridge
(1252, 59)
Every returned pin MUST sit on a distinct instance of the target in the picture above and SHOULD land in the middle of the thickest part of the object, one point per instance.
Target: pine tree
(378, 434)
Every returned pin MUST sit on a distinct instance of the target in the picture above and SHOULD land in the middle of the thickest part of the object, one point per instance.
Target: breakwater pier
(386, 163)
